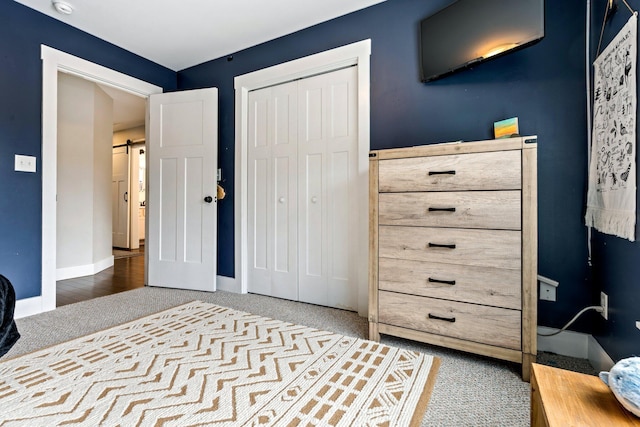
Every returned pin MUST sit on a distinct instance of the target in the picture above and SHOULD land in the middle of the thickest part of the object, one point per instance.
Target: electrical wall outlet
(25, 163)
(547, 292)
(604, 303)
(547, 288)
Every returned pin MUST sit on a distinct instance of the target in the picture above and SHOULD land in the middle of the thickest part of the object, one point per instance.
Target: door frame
(357, 54)
(54, 61)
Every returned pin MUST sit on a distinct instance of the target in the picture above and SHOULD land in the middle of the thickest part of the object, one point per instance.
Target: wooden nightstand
(565, 398)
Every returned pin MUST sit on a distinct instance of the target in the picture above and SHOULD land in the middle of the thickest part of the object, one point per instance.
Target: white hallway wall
(85, 120)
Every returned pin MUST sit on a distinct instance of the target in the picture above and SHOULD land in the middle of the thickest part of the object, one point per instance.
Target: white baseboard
(84, 270)
(567, 343)
(575, 344)
(599, 358)
(228, 284)
(28, 307)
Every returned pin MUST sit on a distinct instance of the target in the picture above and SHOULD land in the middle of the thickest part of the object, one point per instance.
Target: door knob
(208, 199)
(281, 200)
(314, 199)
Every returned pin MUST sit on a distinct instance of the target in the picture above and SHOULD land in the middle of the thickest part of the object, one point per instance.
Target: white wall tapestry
(611, 198)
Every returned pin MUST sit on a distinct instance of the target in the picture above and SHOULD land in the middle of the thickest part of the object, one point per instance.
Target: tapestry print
(611, 199)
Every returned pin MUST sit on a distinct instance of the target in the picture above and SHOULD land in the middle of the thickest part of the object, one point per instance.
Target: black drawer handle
(446, 319)
(446, 282)
(438, 245)
(442, 209)
(442, 173)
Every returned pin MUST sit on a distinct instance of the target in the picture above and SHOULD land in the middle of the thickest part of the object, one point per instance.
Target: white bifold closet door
(273, 192)
(302, 212)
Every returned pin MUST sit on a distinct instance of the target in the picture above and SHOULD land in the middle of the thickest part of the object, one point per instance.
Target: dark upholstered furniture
(8, 329)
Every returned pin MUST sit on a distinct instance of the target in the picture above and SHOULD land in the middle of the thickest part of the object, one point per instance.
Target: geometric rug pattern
(201, 364)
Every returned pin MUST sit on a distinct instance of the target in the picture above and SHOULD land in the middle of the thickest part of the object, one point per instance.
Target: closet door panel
(284, 205)
(259, 153)
(272, 228)
(260, 212)
(339, 241)
(328, 155)
(340, 282)
(341, 147)
(313, 220)
(312, 284)
(313, 117)
(283, 261)
(341, 122)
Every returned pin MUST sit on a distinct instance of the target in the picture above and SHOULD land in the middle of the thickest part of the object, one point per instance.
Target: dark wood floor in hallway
(127, 273)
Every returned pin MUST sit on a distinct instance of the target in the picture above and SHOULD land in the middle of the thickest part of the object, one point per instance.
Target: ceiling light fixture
(63, 7)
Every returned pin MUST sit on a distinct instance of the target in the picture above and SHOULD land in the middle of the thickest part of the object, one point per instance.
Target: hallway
(127, 273)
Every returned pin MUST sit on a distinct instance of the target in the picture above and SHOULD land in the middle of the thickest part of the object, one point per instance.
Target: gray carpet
(470, 390)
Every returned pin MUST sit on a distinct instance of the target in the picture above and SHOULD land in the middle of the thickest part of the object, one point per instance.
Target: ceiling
(129, 111)
(181, 33)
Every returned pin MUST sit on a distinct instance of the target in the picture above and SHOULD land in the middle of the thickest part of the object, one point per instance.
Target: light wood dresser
(453, 246)
(562, 398)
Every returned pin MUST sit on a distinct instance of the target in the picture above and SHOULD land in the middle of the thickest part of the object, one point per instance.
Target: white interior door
(327, 166)
(181, 200)
(120, 198)
(272, 200)
(302, 199)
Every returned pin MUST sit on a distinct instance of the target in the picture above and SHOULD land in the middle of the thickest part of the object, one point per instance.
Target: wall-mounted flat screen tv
(471, 31)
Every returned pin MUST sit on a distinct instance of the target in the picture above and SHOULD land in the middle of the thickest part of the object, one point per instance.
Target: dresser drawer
(480, 285)
(470, 209)
(489, 248)
(499, 170)
(472, 322)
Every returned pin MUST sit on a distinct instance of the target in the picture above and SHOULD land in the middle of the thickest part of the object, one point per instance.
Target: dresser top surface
(447, 148)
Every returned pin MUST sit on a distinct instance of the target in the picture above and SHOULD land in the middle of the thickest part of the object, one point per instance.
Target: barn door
(120, 198)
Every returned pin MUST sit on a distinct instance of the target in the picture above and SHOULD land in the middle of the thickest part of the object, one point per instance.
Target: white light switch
(25, 163)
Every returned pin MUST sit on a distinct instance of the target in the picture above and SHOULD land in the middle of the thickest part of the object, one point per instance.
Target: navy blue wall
(543, 85)
(22, 30)
(616, 262)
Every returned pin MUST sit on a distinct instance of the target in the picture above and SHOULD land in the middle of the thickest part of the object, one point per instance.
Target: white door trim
(353, 54)
(53, 61)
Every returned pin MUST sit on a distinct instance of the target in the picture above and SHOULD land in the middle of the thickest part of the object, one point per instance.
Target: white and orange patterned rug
(202, 364)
